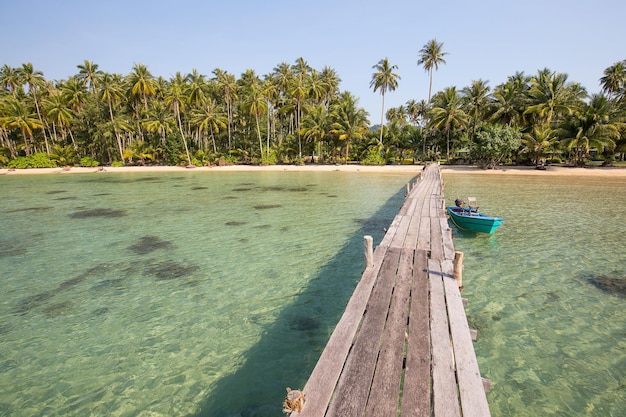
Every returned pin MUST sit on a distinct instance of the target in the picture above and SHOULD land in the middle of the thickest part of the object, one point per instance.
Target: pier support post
(369, 251)
(458, 268)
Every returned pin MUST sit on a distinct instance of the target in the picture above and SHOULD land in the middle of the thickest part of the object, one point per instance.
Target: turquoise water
(194, 294)
(206, 294)
(552, 342)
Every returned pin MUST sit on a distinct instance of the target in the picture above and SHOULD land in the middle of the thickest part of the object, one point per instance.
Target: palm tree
(540, 138)
(299, 92)
(209, 119)
(417, 112)
(431, 56)
(476, 97)
(591, 128)
(550, 95)
(17, 115)
(35, 80)
(60, 114)
(384, 79)
(111, 92)
(255, 101)
(89, 75)
(350, 120)
(160, 121)
(176, 99)
(614, 80)
(330, 82)
(10, 79)
(447, 114)
(315, 126)
(142, 84)
(508, 101)
(227, 86)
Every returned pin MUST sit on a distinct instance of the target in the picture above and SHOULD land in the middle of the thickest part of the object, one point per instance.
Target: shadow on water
(290, 347)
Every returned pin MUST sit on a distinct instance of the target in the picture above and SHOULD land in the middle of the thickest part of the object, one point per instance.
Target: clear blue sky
(485, 39)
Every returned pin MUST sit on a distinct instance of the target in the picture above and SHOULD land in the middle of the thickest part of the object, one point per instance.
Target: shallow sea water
(206, 294)
(194, 294)
(552, 342)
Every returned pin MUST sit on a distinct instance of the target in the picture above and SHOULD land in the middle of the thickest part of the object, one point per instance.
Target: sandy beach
(453, 169)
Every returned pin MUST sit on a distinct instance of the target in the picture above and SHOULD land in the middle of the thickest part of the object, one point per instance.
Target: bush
(270, 159)
(117, 164)
(373, 156)
(37, 160)
(87, 161)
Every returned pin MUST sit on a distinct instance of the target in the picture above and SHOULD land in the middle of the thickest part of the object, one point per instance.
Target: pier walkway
(403, 346)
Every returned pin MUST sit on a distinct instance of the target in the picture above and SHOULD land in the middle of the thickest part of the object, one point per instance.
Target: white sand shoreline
(452, 169)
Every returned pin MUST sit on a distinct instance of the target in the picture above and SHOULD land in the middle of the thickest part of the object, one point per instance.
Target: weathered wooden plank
(385, 391)
(448, 246)
(400, 236)
(416, 389)
(354, 383)
(321, 383)
(471, 390)
(423, 239)
(445, 395)
(412, 233)
(436, 241)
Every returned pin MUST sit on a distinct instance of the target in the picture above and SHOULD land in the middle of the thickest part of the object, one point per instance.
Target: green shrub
(87, 161)
(37, 160)
(270, 159)
(117, 164)
(373, 156)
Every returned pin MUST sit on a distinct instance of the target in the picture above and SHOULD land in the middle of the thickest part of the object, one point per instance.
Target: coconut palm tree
(351, 121)
(60, 114)
(330, 81)
(417, 112)
(614, 80)
(111, 92)
(209, 119)
(447, 114)
(142, 84)
(10, 79)
(298, 92)
(476, 98)
(550, 96)
(316, 125)
(384, 79)
(254, 100)
(17, 115)
(538, 140)
(89, 75)
(35, 80)
(431, 56)
(593, 127)
(508, 101)
(159, 120)
(177, 99)
(227, 86)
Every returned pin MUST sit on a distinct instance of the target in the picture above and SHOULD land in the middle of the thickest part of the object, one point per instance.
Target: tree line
(297, 113)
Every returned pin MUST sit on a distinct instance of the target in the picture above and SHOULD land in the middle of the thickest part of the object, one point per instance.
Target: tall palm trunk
(382, 118)
(117, 136)
(182, 134)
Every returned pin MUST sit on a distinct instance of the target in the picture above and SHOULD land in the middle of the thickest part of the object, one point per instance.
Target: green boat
(469, 218)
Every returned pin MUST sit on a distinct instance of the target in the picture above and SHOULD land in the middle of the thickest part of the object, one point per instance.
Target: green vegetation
(297, 113)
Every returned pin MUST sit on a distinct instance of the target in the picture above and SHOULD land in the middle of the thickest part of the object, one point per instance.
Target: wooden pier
(403, 346)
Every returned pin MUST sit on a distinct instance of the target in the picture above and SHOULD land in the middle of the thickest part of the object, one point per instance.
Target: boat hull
(465, 219)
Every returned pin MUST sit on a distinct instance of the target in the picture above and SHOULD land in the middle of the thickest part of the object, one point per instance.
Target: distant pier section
(403, 346)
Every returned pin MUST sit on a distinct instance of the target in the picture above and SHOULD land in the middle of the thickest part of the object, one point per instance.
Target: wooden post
(408, 188)
(369, 251)
(458, 268)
